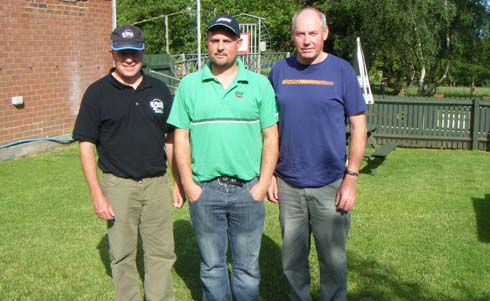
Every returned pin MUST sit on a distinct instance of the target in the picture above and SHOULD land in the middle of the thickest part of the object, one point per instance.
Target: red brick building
(51, 50)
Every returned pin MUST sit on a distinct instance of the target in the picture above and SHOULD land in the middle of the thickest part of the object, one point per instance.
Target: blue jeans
(223, 214)
(307, 210)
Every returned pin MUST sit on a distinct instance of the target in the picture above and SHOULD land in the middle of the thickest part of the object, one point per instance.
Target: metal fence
(187, 63)
(449, 123)
(171, 69)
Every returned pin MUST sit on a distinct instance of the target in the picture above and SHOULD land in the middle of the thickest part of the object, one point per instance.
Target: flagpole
(198, 13)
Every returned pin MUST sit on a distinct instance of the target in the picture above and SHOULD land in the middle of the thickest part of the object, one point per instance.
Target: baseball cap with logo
(127, 38)
(226, 21)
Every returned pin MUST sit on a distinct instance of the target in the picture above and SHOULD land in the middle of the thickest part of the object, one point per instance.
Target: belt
(230, 180)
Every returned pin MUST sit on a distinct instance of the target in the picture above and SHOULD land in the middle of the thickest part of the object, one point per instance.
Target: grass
(454, 91)
(420, 231)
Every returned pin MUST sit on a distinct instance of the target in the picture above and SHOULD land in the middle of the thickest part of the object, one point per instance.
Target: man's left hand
(346, 195)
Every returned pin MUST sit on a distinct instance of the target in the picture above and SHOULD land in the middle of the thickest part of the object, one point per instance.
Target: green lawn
(420, 231)
(454, 91)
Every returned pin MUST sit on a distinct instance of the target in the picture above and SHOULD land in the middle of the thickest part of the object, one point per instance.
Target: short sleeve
(88, 119)
(179, 114)
(353, 99)
(268, 107)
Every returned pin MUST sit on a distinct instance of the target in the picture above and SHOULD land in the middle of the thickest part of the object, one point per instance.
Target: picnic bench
(384, 150)
(379, 153)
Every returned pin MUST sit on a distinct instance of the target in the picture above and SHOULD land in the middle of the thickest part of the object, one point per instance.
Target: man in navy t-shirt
(316, 93)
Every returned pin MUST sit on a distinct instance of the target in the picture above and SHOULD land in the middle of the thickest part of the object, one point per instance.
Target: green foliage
(424, 43)
(418, 228)
(181, 23)
(183, 27)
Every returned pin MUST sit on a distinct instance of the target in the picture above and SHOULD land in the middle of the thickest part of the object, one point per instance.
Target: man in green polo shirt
(226, 147)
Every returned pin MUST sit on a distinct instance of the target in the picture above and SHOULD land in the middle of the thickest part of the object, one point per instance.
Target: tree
(424, 43)
(182, 28)
(410, 41)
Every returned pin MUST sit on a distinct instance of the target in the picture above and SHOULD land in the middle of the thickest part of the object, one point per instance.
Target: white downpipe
(114, 14)
(198, 14)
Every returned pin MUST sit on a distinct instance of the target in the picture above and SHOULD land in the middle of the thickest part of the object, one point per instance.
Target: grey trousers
(307, 210)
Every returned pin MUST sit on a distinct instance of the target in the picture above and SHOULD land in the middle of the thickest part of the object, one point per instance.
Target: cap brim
(225, 26)
(127, 46)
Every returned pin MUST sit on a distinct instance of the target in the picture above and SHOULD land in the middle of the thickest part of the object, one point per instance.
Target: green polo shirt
(225, 125)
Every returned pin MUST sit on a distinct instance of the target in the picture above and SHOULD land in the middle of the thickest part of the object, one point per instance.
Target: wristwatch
(352, 173)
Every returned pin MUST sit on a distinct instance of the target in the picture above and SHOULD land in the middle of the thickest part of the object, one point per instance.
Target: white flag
(362, 74)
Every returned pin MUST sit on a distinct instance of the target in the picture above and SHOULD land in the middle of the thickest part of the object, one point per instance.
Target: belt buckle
(223, 180)
(229, 181)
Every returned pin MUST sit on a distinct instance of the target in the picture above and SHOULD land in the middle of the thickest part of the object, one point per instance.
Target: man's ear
(325, 33)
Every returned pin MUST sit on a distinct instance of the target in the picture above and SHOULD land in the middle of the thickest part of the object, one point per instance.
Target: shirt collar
(241, 76)
(143, 85)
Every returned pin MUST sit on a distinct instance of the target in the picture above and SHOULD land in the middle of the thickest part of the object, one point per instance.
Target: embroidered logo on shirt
(157, 105)
(239, 94)
(307, 82)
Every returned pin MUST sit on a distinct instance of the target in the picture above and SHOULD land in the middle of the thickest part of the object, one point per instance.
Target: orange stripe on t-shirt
(307, 82)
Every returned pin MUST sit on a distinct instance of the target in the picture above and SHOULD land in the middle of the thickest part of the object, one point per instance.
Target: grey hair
(323, 18)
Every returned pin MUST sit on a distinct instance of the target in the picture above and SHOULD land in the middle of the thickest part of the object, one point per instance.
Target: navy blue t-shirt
(314, 102)
(126, 125)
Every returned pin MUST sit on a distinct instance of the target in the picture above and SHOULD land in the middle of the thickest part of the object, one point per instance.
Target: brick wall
(50, 51)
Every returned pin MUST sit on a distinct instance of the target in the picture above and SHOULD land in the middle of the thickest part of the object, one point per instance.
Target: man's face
(128, 63)
(308, 37)
(222, 47)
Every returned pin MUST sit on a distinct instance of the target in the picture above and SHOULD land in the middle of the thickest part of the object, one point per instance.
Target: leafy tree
(412, 42)
(149, 16)
(424, 43)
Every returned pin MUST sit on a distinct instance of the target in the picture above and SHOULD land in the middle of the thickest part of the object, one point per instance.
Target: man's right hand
(103, 208)
(272, 193)
(178, 195)
(193, 191)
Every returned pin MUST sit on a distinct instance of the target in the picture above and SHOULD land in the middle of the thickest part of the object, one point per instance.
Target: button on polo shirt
(126, 125)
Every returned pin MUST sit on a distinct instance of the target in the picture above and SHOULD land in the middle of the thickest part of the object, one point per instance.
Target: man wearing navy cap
(124, 116)
(227, 166)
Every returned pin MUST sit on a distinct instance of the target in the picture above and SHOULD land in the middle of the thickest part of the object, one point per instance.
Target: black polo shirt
(126, 125)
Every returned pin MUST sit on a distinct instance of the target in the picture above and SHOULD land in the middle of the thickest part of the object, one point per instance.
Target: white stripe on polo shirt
(215, 121)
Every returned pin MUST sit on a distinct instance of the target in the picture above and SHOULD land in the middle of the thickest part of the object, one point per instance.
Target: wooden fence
(449, 123)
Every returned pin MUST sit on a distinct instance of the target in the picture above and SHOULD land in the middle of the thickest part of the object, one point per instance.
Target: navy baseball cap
(226, 21)
(127, 38)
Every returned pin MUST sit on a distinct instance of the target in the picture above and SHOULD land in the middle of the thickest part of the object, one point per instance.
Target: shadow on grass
(105, 256)
(374, 280)
(482, 213)
(104, 253)
(372, 165)
(187, 264)
(272, 287)
(379, 282)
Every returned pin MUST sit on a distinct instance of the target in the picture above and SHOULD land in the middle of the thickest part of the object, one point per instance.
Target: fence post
(475, 125)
